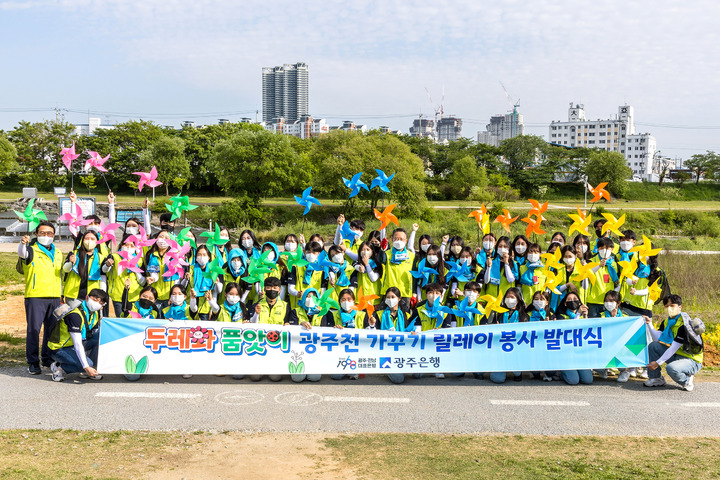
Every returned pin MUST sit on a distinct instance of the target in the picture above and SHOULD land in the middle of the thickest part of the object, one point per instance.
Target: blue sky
(369, 61)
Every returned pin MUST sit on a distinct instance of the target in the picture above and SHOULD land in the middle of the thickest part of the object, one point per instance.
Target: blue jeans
(500, 377)
(117, 309)
(678, 367)
(573, 377)
(68, 359)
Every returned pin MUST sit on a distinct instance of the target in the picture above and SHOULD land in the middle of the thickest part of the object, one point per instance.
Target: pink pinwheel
(149, 179)
(74, 218)
(129, 263)
(178, 255)
(69, 155)
(134, 314)
(107, 232)
(96, 161)
(142, 239)
(173, 268)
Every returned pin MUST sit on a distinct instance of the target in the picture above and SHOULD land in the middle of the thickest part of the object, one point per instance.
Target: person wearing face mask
(399, 263)
(487, 250)
(428, 315)
(351, 244)
(606, 276)
(155, 269)
(518, 249)
(677, 344)
(540, 312)
(532, 277)
(348, 317)
(513, 302)
(234, 270)
(559, 238)
(143, 306)
(500, 271)
(311, 275)
(306, 315)
(271, 309)
(424, 243)
(471, 292)
(178, 308)
(221, 251)
(73, 342)
(249, 244)
(637, 300)
(132, 225)
(339, 271)
(633, 290)
(232, 309)
(390, 316)
(200, 285)
(367, 271)
(454, 250)
(434, 260)
(470, 273)
(83, 269)
(571, 307)
(610, 308)
(316, 237)
(121, 279)
(94, 226)
(598, 225)
(581, 243)
(569, 259)
(273, 257)
(41, 263)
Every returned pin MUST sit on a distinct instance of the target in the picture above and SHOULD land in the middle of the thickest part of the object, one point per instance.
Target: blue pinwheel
(435, 311)
(355, 184)
(464, 311)
(347, 232)
(423, 272)
(381, 181)
(307, 200)
(459, 271)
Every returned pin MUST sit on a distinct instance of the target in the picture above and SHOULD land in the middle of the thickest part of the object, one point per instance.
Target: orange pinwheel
(479, 213)
(537, 208)
(599, 192)
(505, 220)
(386, 217)
(533, 226)
(364, 302)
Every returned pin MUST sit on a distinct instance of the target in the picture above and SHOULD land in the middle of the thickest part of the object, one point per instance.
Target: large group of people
(407, 276)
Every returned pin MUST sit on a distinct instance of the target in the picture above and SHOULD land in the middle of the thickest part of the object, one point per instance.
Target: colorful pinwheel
(493, 304)
(97, 161)
(457, 270)
(505, 220)
(214, 238)
(482, 219)
(423, 273)
(581, 222)
(599, 192)
(148, 178)
(347, 232)
(381, 181)
(386, 217)
(533, 226)
(213, 270)
(68, 155)
(31, 215)
(179, 205)
(307, 200)
(645, 250)
(629, 267)
(435, 311)
(294, 259)
(184, 238)
(142, 240)
(583, 272)
(537, 209)
(324, 303)
(256, 272)
(128, 263)
(355, 184)
(364, 302)
(107, 232)
(74, 218)
(655, 290)
(613, 224)
(464, 311)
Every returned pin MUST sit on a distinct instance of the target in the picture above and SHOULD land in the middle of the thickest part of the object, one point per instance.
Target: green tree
(8, 155)
(608, 167)
(167, 154)
(530, 163)
(465, 175)
(38, 148)
(701, 164)
(258, 163)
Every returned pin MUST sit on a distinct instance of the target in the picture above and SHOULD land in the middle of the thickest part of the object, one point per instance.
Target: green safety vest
(398, 275)
(116, 283)
(60, 337)
(43, 276)
(275, 315)
(73, 280)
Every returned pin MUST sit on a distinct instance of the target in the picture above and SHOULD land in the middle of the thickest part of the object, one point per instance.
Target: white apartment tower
(502, 127)
(285, 92)
(613, 135)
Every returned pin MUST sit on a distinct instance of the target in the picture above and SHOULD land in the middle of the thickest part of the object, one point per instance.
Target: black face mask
(573, 305)
(167, 227)
(145, 303)
(272, 294)
(598, 232)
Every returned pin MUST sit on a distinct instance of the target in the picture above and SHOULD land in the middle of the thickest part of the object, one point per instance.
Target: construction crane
(514, 104)
(438, 109)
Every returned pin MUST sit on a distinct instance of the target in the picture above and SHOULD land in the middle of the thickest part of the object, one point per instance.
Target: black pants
(39, 313)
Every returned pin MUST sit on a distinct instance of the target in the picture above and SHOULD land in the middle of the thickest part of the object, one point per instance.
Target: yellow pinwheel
(628, 268)
(645, 250)
(613, 224)
(493, 304)
(655, 290)
(583, 272)
(581, 222)
(554, 280)
(553, 260)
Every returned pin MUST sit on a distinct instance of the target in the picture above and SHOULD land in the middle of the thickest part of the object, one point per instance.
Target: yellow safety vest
(43, 275)
(73, 280)
(60, 337)
(116, 283)
(275, 315)
(398, 275)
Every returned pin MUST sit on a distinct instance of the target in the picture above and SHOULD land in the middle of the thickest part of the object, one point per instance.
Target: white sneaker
(633, 372)
(602, 373)
(187, 376)
(439, 375)
(58, 374)
(655, 382)
(86, 376)
(690, 385)
(644, 375)
(624, 376)
(546, 378)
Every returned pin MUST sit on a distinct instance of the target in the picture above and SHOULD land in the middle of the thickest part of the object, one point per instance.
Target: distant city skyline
(371, 62)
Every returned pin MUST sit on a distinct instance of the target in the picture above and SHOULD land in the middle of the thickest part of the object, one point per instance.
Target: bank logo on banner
(385, 362)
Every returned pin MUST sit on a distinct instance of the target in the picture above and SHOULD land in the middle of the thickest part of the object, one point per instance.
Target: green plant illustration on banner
(296, 365)
(132, 367)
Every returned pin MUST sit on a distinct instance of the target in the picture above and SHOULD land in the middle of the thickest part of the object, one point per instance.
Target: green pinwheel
(179, 205)
(214, 270)
(214, 238)
(256, 273)
(183, 237)
(324, 303)
(264, 262)
(31, 215)
(294, 259)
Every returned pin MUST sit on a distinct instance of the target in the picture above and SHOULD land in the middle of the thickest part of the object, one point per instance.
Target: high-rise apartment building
(449, 129)
(502, 127)
(285, 92)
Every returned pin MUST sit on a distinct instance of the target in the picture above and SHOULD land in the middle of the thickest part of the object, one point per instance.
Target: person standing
(42, 266)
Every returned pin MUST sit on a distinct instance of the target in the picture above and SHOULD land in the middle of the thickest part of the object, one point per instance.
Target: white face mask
(431, 297)
(502, 251)
(626, 246)
(237, 264)
(604, 253)
(247, 243)
(610, 306)
(511, 302)
(672, 311)
(322, 244)
(271, 257)
(89, 245)
(583, 248)
(533, 257)
(224, 238)
(520, 249)
(290, 246)
(456, 249)
(310, 302)
(432, 259)
(424, 247)
(311, 257)
(358, 234)
(488, 245)
(131, 230)
(93, 228)
(162, 243)
(45, 241)
(391, 302)
(93, 306)
(366, 254)
(569, 261)
(347, 305)
(338, 258)
(232, 299)
(202, 261)
(471, 297)
(559, 242)
(399, 245)
(465, 261)
(539, 304)
(177, 299)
